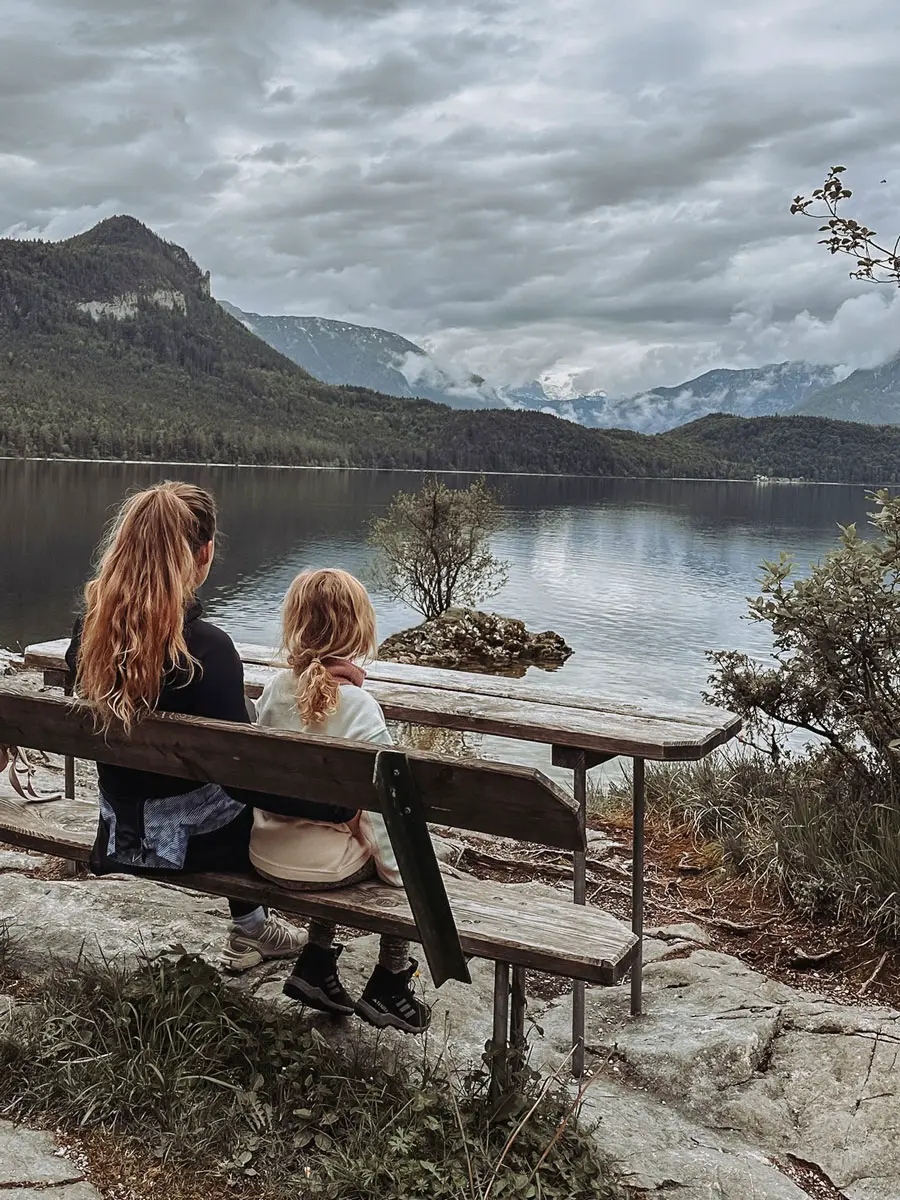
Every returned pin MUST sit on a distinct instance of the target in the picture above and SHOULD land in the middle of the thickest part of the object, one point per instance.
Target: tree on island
(434, 547)
(844, 235)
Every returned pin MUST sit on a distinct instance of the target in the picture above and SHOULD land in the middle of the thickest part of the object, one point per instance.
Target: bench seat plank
(505, 708)
(532, 926)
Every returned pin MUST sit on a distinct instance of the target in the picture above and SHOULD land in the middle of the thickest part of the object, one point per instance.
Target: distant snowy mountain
(338, 352)
(871, 395)
(755, 392)
(341, 353)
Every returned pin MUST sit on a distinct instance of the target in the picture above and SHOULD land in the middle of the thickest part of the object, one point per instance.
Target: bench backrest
(470, 794)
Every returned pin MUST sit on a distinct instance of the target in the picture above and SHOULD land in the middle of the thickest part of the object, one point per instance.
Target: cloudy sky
(525, 186)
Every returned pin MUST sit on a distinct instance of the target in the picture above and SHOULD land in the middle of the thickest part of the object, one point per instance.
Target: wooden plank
(45, 656)
(22, 826)
(503, 687)
(602, 733)
(531, 926)
(489, 797)
(468, 702)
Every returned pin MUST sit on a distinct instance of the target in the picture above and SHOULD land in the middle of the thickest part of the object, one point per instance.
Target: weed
(803, 824)
(168, 1057)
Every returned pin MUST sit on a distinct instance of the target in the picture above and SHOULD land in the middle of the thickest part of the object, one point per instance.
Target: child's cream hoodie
(297, 851)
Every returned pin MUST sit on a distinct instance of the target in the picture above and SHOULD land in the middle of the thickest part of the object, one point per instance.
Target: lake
(640, 576)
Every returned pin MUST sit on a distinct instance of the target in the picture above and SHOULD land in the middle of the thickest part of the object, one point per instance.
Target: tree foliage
(836, 637)
(434, 547)
(845, 235)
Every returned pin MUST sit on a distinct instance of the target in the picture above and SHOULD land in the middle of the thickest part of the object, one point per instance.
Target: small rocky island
(463, 639)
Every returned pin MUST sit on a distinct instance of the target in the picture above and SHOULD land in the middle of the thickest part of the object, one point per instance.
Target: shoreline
(146, 462)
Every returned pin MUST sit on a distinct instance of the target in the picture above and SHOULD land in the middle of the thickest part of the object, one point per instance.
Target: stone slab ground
(725, 1075)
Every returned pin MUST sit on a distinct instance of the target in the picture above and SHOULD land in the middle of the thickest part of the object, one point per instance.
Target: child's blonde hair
(326, 614)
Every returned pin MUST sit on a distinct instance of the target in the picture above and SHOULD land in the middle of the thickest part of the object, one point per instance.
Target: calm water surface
(641, 577)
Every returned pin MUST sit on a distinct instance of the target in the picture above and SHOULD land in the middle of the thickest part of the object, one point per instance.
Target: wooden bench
(582, 729)
(543, 931)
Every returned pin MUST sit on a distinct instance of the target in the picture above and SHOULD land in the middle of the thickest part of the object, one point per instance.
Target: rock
(28, 1157)
(728, 1048)
(112, 918)
(686, 932)
(65, 1191)
(726, 1072)
(14, 860)
(10, 663)
(463, 639)
(658, 1152)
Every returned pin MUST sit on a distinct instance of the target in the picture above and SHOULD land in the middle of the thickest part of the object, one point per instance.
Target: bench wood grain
(472, 794)
(503, 707)
(535, 927)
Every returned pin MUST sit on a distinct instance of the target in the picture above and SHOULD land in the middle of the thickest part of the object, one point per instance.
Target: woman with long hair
(328, 631)
(141, 647)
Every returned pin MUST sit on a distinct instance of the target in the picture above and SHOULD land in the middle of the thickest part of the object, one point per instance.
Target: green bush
(822, 823)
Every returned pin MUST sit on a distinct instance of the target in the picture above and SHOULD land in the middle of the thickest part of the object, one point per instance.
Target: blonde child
(328, 630)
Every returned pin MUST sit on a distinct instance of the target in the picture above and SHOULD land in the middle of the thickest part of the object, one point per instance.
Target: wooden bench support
(509, 1044)
(401, 807)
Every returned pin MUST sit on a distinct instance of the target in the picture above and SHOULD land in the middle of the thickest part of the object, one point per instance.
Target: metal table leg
(69, 761)
(637, 883)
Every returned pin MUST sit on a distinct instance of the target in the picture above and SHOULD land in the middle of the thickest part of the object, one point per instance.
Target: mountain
(871, 395)
(341, 353)
(338, 352)
(755, 392)
(112, 347)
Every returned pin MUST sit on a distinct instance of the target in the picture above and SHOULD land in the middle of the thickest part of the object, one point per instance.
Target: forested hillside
(111, 347)
(797, 447)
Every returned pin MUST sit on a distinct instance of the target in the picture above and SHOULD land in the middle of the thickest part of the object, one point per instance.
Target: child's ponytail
(317, 689)
(327, 615)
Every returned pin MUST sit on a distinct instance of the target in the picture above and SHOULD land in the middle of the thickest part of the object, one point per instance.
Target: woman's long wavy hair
(327, 614)
(134, 607)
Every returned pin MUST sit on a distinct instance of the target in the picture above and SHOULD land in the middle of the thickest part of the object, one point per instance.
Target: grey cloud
(524, 192)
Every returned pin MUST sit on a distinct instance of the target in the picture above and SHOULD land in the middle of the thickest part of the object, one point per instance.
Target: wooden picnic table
(582, 729)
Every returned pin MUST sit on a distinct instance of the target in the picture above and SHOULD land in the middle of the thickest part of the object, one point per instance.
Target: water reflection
(640, 576)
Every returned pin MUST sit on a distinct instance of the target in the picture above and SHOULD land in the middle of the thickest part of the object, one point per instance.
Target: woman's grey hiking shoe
(389, 1001)
(277, 939)
(315, 981)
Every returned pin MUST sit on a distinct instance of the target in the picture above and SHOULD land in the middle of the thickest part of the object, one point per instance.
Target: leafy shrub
(822, 824)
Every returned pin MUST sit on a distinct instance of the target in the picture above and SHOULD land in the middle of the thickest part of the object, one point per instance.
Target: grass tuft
(804, 825)
(204, 1079)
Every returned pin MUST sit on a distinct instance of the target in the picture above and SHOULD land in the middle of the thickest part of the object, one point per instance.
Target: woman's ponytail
(133, 628)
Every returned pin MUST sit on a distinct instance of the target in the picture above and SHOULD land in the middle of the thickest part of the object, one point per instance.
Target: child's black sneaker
(389, 1001)
(315, 981)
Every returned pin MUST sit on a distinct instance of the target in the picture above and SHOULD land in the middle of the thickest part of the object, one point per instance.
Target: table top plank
(505, 708)
(504, 687)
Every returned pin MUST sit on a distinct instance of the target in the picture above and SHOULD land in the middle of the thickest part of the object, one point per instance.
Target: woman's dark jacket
(214, 690)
